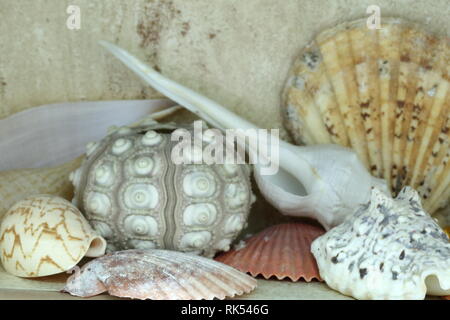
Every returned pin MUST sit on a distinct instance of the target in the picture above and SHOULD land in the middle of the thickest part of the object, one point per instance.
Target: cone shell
(386, 94)
(159, 275)
(44, 235)
(283, 251)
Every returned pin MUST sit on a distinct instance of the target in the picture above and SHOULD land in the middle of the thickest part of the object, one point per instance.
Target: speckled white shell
(43, 235)
(389, 249)
(136, 197)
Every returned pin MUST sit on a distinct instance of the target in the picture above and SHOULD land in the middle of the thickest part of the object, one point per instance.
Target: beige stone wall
(235, 51)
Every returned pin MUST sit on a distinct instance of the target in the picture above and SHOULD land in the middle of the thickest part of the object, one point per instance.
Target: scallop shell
(44, 235)
(386, 94)
(158, 275)
(283, 251)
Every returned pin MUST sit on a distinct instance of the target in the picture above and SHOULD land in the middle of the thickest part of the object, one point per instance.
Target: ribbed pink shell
(282, 251)
(158, 275)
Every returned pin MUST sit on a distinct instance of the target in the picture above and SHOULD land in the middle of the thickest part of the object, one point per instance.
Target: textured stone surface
(236, 52)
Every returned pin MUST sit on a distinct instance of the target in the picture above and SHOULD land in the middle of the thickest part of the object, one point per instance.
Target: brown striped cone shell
(386, 94)
(281, 251)
(158, 275)
(44, 235)
(136, 197)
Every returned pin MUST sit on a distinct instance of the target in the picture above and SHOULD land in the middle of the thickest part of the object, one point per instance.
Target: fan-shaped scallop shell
(44, 235)
(283, 251)
(158, 275)
(385, 93)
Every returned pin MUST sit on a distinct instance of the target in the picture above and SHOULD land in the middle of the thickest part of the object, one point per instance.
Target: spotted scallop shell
(386, 94)
(44, 235)
(135, 196)
(158, 275)
(281, 251)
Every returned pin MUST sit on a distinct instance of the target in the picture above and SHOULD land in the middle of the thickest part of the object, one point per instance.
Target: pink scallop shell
(158, 275)
(283, 251)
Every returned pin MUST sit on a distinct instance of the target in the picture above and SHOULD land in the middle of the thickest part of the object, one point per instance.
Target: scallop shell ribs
(281, 251)
(386, 94)
(158, 275)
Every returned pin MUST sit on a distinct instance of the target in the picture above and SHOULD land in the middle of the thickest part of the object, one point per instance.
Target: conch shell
(324, 182)
(386, 94)
(44, 235)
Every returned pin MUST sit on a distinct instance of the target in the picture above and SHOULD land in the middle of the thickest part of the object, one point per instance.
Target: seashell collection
(390, 106)
(135, 196)
(158, 275)
(369, 111)
(44, 235)
(281, 251)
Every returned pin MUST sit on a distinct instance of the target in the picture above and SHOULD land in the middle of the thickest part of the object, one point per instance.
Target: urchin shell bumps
(136, 197)
(386, 94)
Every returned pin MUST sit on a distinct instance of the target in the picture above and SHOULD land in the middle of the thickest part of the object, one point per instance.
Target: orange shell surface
(283, 251)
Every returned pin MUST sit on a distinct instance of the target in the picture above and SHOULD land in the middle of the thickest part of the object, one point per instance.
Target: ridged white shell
(44, 235)
(386, 94)
(158, 275)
